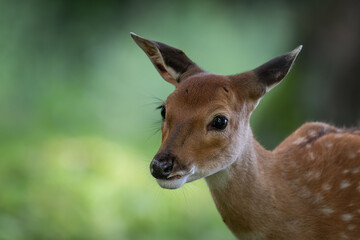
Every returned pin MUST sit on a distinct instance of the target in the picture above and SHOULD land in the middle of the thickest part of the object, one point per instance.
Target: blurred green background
(78, 125)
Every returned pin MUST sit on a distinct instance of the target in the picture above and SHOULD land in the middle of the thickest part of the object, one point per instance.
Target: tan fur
(287, 193)
(263, 194)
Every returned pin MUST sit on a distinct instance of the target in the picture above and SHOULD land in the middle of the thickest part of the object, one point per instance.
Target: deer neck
(240, 192)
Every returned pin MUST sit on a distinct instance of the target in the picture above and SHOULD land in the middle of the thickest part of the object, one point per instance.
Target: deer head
(205, 121)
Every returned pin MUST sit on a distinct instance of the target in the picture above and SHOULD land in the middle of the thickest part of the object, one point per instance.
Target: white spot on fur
(352, 155)
(300, 141)
(326, 187)
(308, 146)
(346, 171)
(355, 170)
(312, 155)
(351, 227)
(344, 184)
(347, 217)
(313, 174)
(318, 198)
(329, 144)
(338, 135)
(327, 211)
(344, 236)
(312, 133)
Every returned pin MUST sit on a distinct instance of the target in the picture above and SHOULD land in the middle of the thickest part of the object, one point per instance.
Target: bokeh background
(78, 125)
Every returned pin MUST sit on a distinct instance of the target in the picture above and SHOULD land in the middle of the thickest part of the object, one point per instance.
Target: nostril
(167, 168)
(160, 169)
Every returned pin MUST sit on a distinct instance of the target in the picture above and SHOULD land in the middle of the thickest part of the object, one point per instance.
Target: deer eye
(163, 111)
(219, 122)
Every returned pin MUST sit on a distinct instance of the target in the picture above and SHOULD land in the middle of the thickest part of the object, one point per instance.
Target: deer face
(198, 130)
(206, 119)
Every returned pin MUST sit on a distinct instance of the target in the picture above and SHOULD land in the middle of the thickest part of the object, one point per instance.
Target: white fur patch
(344, 184)
(352, 155)
(318, 198)
(300, 140)
(326, 187)
(343, 236)
(313, 174)
(338, 135)
(172, 184)
(351, 227)
(327, 211)
(172, 72)
(312, 133)
(176, 182)
(347, 217)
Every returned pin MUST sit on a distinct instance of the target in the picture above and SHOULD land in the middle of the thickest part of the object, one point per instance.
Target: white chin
(172, 183)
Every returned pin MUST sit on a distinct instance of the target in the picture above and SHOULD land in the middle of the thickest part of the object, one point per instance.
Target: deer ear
(271, 73)
(172, 63)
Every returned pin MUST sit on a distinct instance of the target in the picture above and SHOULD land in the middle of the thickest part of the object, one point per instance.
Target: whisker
(155, 129)
(155, 101)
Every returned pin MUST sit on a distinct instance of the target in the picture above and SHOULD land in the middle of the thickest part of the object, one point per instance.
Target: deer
(308, 187)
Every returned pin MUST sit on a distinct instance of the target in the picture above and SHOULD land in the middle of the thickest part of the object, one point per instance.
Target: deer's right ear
(172, 63)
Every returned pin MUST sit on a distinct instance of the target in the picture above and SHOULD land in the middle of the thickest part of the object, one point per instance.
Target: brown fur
(306, 188)
(278, 194)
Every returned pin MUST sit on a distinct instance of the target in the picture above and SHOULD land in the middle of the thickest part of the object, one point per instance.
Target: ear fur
(272, 72)
(172, 63)
(262, 79)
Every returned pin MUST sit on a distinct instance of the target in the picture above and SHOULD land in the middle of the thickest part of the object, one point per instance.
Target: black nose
(162, 165)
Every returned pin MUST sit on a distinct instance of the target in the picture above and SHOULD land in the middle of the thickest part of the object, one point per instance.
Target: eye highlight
(219, 122)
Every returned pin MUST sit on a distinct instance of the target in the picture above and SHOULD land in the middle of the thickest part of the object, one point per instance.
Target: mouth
(174, 177)
(175, 180)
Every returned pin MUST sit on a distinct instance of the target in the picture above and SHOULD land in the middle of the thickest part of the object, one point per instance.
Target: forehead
(202, 90)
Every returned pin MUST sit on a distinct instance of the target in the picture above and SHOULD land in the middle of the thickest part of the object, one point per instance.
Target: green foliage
(90, 188)
(77, 113)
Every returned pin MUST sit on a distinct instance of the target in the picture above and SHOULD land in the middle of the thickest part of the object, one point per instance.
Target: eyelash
(162, 111)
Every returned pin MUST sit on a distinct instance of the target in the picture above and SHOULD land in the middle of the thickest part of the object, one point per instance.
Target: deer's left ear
(272, 72)
(172, 63)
